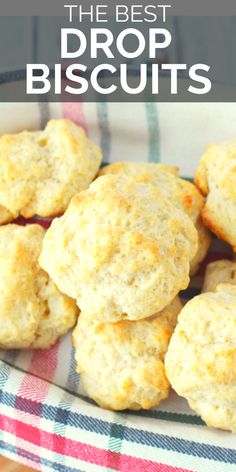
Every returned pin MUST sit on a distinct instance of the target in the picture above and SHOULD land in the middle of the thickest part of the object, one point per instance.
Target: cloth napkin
(46, 420)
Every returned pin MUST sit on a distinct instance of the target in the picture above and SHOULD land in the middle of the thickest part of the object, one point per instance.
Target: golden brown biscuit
(40, 171)
(201, 358)
(5, 216)
(216, 178)
(222, 271)
(33, 313)
(182, 193)
(122, 364)
(121, 249)
(133, 169)
(204, 242)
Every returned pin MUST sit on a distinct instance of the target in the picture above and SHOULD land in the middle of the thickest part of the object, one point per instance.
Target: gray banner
(205, 42)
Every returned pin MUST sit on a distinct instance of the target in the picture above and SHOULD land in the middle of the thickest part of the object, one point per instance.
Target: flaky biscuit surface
(121, 250)
(33, 313)
(221, 271)
(182, 193)
(121, 364)
(201, 358)
(40, 171)
(216, 178)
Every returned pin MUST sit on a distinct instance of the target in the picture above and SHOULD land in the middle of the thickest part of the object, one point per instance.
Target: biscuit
(182, 193)
(122, 364)
(201, 358)
(204, 242)
(40, 171)
(222, 271)
(33, 313)
(216, 178)
(132, 169)
(5, 216)
(121, 249)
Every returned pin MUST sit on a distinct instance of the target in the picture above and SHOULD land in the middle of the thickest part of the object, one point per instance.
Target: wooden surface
(6, 465)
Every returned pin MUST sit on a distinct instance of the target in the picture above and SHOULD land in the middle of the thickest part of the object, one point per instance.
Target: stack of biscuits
(39, 173)
(125, 253)
(201, 358)
(123, 250)
(115, 262)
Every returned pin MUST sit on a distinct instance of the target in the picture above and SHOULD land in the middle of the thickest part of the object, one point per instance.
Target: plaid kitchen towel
(46, 420)
(166, 132)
